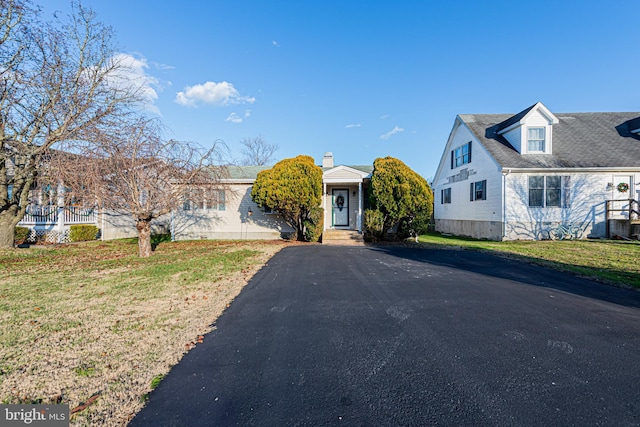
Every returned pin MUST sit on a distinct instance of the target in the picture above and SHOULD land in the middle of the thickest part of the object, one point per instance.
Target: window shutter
(452, 159)
(471, 192)
(484, 189)
(442, 196)
(469, 151)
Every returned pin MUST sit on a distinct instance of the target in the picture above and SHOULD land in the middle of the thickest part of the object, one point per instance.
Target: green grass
(93, 316)
(611, 261)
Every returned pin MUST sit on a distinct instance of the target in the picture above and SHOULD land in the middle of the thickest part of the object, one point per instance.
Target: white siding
(343, 174)
(514, 137)
(232, 223)
(482, 167)
(588, 195)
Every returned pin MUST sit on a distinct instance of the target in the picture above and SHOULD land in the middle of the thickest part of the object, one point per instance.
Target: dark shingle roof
(580, 140)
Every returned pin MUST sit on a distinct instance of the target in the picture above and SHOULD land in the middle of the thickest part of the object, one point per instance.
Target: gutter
(573, 170)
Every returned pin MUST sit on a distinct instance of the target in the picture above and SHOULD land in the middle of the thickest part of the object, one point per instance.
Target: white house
(230, 213)
(524, 176)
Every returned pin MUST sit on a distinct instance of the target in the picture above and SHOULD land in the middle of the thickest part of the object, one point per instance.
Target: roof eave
(506, 169)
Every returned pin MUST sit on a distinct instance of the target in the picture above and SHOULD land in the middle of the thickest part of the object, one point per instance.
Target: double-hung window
(550, 191)
(478, 190)
(536, 140)
(445, 195)
(461, 155)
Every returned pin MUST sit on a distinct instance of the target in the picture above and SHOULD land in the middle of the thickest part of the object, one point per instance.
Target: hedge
(83, 232)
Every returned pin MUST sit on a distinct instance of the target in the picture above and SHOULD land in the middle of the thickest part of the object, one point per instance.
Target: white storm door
(621, 192)
(340, 207)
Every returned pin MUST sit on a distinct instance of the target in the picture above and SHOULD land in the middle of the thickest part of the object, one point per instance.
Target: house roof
(580, 140)
(245, 172)
(250, 173)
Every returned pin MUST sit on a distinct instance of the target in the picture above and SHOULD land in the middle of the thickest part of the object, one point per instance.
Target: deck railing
(623, 209)
(49, 214)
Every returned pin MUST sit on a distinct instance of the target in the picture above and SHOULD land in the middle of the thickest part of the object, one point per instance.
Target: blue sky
(368, 79)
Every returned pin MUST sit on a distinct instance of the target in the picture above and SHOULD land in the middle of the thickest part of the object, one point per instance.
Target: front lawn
(93, 319)
(611, 261)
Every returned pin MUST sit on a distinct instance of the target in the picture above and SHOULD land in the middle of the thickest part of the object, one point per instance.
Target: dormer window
(536, 140)
(530, 131)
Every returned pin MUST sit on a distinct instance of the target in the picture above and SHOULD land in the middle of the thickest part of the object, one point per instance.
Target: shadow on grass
(156, 240)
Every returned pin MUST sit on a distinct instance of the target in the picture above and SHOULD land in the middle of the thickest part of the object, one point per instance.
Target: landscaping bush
(401, 195)
(82, 233)
(314, 224)
(373, 225)
(414, 226)
(22, 233)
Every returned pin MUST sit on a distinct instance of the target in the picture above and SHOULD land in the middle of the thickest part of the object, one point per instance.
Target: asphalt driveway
(396, 336)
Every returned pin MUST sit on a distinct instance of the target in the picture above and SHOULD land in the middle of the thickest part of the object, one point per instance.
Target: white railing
(79, 215)
(43, 215)
(40, 215)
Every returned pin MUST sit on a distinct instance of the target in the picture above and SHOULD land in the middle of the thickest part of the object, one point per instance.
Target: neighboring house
(230, 213)
(523, 176)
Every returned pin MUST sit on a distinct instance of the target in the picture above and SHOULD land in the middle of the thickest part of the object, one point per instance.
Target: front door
(622, 191)
(340, 208)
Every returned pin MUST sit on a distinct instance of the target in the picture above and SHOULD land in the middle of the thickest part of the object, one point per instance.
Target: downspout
(504, 201)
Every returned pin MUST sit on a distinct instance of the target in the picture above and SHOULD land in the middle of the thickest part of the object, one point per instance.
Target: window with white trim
(550, 191)
(536, 141)
(478, 190)
(199, 199)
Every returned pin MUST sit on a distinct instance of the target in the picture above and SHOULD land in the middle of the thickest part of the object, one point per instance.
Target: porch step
(342, 237)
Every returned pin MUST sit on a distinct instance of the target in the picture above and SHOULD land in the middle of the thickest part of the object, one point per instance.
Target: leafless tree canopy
(58, 80)
(257, 151)
(129, 168)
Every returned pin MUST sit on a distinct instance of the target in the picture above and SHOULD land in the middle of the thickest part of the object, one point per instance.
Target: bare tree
(130, 169)
(257, 151)
(57, 81)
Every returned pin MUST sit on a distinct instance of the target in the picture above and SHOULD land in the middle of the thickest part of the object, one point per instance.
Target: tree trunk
(143, 225)
(8, 222)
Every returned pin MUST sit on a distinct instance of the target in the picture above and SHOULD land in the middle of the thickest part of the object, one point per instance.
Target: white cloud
(384, 117)
(353, 125)
(393, 131)
(235, 117)
(132, 75)
(222, 93)
(275, 43)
